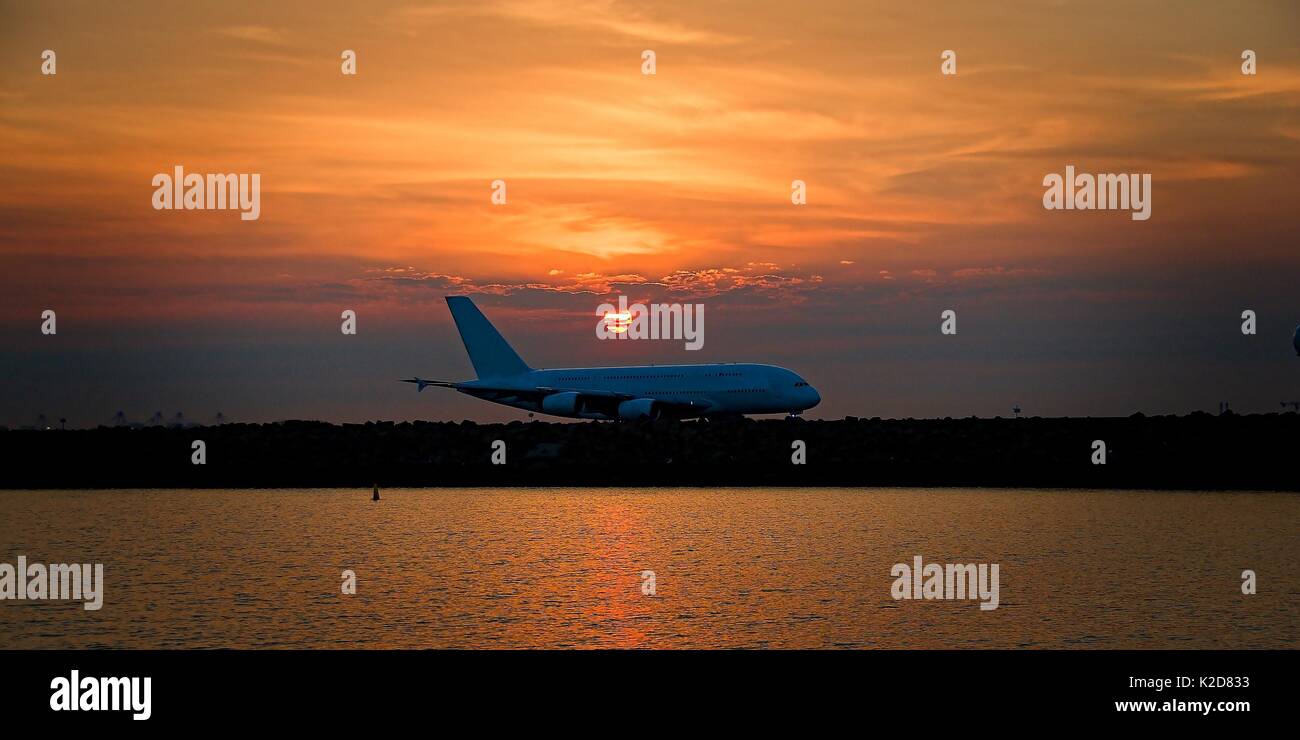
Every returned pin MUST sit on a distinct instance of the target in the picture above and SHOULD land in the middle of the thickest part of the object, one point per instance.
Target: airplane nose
(814, 397)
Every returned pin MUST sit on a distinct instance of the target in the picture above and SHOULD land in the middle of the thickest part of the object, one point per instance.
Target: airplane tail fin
(490, 354)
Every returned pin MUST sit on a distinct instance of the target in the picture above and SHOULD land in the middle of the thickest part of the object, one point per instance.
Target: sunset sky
(924, 194)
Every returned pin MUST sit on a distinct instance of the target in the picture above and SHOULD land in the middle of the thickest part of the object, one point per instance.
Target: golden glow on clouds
(680, 180)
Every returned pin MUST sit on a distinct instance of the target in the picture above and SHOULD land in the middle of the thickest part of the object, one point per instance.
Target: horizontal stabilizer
(421, 383)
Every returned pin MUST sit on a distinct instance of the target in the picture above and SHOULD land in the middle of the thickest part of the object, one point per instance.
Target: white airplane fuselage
(682, 391)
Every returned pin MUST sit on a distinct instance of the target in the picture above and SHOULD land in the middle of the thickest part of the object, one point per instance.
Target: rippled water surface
(553, 567)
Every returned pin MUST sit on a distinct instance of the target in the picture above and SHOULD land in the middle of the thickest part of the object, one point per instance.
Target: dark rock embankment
(1199, 451)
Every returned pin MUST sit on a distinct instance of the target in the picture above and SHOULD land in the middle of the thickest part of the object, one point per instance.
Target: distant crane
(178, 420)
(156, 419)
(1295, 405)
(219, 419)
(119, 419)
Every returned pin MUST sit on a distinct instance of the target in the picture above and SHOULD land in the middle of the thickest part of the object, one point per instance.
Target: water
(780, 567)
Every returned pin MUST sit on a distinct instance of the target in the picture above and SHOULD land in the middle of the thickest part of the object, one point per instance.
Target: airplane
(629, 393)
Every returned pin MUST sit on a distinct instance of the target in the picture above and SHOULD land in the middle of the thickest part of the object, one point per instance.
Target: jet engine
(640, 408)
(561, 404)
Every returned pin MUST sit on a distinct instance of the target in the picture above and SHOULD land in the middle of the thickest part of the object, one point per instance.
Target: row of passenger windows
(696, 393)
(652, 376)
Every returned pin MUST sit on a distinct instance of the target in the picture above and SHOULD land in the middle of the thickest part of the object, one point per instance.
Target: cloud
(756, 278)
(256, 34)
(603, 16)
(970, 273)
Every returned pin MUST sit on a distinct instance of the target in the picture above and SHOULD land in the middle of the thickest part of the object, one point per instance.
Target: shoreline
(1196, 452)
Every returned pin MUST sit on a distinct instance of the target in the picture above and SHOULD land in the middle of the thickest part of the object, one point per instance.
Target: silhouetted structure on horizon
(1200, 451)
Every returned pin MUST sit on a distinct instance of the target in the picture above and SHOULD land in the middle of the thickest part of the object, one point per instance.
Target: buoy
(376, 496)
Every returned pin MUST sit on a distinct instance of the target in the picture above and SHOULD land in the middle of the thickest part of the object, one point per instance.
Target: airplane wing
(542, 391)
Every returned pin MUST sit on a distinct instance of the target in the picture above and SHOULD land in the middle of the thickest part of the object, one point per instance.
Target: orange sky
(376, 187)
